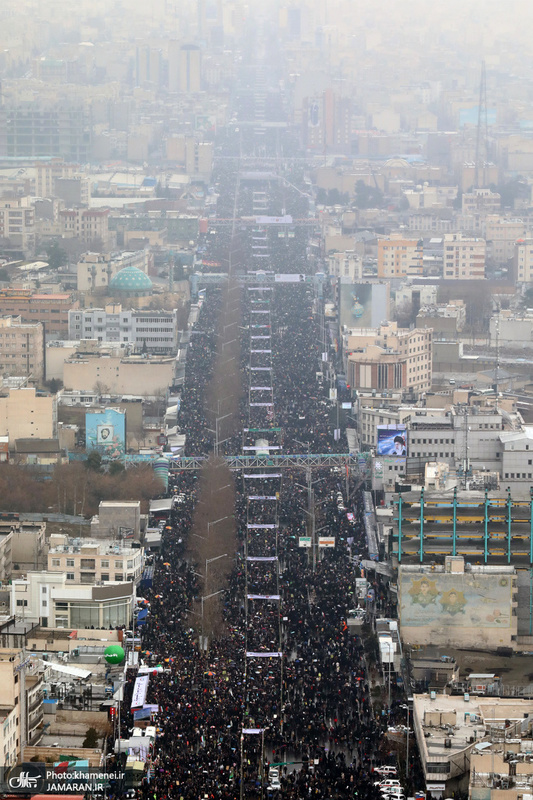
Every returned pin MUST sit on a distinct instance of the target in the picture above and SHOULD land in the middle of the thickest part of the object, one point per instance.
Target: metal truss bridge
(311, 461)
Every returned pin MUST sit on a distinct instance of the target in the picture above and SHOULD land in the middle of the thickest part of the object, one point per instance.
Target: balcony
(35, 702)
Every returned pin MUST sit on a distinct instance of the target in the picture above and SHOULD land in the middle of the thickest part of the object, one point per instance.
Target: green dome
(131, 280)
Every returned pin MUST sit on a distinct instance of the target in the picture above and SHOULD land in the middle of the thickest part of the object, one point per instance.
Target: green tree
(54, 385)
(94, 461)
(91, 738)
(367, 196)
(56, 255)
(116, 468)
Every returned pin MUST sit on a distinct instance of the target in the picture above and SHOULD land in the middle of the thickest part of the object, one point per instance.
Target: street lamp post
(208, 597)
(216, 521)
(407, 708)
(210, 561)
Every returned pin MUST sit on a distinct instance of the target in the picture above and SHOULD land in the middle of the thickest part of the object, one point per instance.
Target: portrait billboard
(391, 440)
(465, 600)
(105, 431)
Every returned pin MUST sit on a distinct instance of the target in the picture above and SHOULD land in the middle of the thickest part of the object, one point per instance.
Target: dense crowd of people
(307, 705)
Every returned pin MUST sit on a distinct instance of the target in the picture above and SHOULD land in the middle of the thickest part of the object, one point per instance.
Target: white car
(385, 770)
(274, 785)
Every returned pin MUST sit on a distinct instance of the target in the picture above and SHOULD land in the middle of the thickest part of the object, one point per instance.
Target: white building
(90, 562)
(464, 258)
(346, 265)
(153, 331)
(517, 460)
(49, 599)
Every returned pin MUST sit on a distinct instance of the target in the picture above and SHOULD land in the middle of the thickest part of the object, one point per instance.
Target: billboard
(464, 600)
(105, 431)
(363, 305)
(391, 440)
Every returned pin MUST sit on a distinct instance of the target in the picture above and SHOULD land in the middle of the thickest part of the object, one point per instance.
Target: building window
(70, 562)
(56, 562)
(104, 563)
(70, 576)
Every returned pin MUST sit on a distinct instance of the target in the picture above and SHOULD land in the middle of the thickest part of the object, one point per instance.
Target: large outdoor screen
(392, 440)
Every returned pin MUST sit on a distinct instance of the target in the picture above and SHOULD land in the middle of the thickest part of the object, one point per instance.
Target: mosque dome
(131, 281)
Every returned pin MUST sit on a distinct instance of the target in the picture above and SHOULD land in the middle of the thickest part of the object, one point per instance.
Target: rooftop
(451, 723)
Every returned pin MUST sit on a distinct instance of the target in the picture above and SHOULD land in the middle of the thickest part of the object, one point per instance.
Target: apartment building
(522, 262)
(501, 234)
(55, 178)
(193, 155)
(18, 730)
(399, 257)
(6, 553)
(389, 358)
(30, 129)
(190, 69)
(21, 348)
(95, 270)
(9, 734)
(49, 309)
(150, 331)
(464, 258)
(481, 200)
(17, 225)
(90, 562)
(86, 224)
(28, 543)
(346, 265)
(24, 414)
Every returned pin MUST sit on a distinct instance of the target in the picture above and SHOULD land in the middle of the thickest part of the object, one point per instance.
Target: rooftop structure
(450, 728)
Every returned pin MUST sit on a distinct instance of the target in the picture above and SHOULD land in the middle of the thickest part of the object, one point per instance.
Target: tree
(367, 196)
(101, 388)
(91, 738)
(56, 255)
(116, 468)
(54, 385)
(94, 461)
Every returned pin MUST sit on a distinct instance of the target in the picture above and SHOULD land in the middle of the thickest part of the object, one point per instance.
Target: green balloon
(114, 654)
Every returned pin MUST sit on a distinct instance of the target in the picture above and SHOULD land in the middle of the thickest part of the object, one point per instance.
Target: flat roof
(463, 722)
